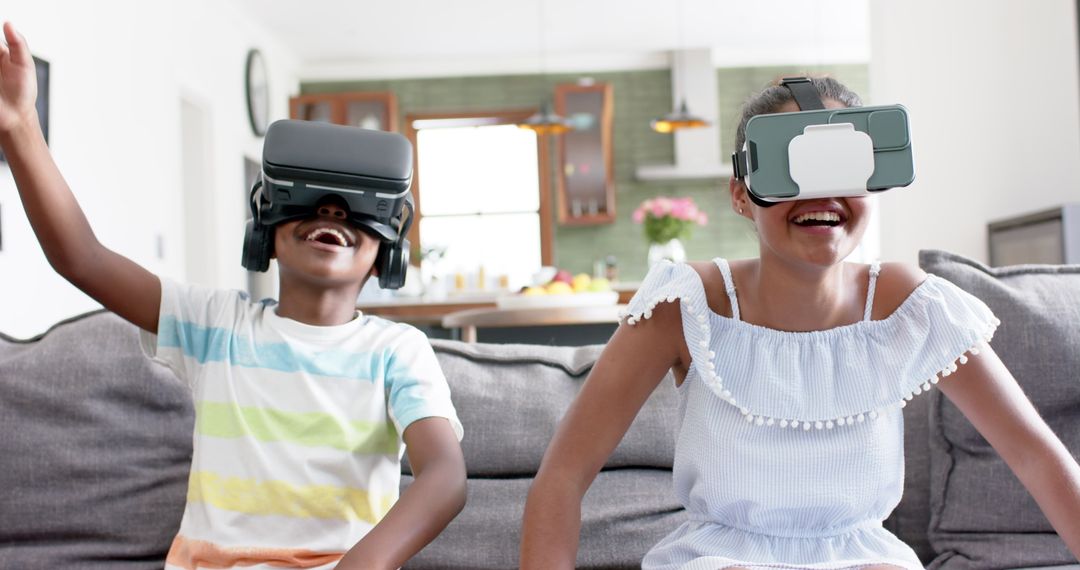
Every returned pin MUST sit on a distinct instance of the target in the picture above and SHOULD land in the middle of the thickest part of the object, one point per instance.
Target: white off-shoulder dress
(790, 449)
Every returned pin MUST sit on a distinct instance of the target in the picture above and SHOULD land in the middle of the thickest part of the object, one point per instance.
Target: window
(481, 198)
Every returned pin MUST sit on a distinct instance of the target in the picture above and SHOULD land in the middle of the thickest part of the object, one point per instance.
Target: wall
(119, 69)
(639, 97)
(992, 90)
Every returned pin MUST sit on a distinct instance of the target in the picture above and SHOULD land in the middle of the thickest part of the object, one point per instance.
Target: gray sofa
(95, 441)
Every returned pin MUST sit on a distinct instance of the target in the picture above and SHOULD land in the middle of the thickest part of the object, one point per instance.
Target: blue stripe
(407, 404)
(214, 344)
(409, 396)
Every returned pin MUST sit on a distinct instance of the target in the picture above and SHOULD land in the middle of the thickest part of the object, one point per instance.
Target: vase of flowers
(666, 221)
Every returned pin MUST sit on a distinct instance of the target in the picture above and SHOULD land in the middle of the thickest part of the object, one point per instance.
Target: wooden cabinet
(586, 175)
(370, 110)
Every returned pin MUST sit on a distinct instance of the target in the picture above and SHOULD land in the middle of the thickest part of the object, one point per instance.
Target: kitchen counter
(430, 311)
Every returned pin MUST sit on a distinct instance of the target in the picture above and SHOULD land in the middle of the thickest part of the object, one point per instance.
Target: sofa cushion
(103, 436)
(625, 513)
(981, 515)
(511, 397)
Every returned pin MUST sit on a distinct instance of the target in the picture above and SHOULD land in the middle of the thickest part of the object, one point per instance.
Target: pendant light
(545, 121)
(681, 117)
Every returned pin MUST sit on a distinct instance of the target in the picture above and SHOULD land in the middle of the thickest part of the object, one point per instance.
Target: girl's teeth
(819, 216)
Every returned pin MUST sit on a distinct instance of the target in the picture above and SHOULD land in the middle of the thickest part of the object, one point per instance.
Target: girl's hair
(775, 95)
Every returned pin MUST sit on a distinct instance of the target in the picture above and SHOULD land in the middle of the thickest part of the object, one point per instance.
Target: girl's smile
(819, 218)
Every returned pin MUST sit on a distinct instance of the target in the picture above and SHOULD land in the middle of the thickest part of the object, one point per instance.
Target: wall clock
(256, 86)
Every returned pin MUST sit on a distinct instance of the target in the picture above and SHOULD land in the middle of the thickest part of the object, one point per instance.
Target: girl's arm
(116, 282)
(633, 363)
(435, 497)
(988, 395)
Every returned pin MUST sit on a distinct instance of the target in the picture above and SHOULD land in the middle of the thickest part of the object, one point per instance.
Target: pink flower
(664, 218)
(661, 206)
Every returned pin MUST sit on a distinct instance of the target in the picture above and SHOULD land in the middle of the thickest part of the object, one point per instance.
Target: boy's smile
(326, 238)
(327, 235)
(325, 249)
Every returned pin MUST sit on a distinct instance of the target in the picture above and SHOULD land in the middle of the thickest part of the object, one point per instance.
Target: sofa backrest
(511, 398)
(1039, 341)
(96, 449)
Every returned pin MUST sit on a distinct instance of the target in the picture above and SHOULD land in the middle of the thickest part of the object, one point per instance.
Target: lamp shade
(678, 119)
(546, 121)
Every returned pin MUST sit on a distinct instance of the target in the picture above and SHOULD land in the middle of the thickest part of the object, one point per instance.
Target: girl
(792, 370)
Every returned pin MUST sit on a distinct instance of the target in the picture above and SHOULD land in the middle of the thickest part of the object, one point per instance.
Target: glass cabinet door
(585, 177)
(369, 110)
(377, 111)
(312, 110)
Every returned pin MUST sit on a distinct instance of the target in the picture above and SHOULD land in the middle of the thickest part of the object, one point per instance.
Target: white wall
(119, 69)
(992, 90)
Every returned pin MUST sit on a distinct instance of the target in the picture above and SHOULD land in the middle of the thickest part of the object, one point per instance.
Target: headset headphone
(391, 262)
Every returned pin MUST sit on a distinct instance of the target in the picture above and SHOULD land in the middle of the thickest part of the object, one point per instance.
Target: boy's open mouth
(329, 236)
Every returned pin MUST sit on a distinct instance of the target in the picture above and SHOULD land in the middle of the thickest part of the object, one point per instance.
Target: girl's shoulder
(895, 284)
(687, 282)
(715, 287)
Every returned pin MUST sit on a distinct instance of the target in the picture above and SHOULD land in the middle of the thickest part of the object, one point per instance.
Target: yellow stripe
(255, 497)
(311, 429)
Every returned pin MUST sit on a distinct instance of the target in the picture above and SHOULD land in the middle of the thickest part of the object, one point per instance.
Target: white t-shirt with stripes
(297, 443)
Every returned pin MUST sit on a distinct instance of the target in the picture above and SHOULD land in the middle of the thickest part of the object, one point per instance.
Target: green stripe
(311, 429)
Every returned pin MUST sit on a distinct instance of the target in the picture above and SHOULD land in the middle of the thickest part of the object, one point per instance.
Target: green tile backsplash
(639, 97)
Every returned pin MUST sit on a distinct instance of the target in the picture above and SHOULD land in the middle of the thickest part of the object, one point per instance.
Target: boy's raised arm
(116, 282)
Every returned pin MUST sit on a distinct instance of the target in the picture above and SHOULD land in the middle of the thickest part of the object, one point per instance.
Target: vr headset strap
(806, 97)
(744, 161)
(805, 94)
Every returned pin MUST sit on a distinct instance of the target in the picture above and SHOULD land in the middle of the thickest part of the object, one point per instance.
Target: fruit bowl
(583, 299)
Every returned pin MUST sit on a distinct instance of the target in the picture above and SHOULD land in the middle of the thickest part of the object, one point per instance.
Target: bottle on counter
(611, 268)
(599, 269)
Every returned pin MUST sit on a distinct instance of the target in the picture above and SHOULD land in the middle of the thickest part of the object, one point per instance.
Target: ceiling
(366, 39)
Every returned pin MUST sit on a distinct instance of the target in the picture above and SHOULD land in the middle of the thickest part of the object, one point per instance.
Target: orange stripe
(192, 554)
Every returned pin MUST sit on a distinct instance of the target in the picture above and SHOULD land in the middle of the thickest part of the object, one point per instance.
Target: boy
(301, 406)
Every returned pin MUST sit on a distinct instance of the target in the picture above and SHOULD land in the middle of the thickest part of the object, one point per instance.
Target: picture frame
(42, 103)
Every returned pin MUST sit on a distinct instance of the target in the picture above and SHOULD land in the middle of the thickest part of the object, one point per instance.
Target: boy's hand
(18, 81)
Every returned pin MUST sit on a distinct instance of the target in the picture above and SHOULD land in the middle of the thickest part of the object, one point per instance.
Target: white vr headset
(824, 153)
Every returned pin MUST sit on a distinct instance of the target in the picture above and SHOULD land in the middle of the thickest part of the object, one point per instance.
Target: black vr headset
(305, 163)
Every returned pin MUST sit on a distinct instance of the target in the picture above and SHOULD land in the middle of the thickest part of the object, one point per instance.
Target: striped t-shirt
(297, 443)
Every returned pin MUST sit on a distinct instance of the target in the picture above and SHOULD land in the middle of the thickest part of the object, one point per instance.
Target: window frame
(489, 118)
